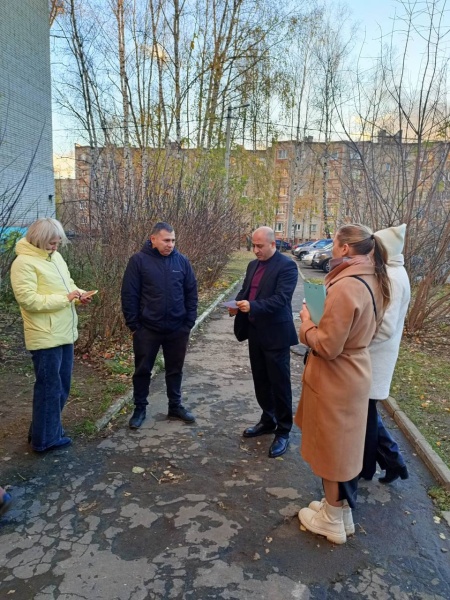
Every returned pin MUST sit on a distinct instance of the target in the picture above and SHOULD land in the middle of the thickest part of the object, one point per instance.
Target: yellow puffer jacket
(41, 282)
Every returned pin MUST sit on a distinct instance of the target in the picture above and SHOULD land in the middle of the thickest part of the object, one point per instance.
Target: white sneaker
(327, 521)
(349, 526)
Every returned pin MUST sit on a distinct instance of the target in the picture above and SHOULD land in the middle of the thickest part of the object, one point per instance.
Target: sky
(371, 16)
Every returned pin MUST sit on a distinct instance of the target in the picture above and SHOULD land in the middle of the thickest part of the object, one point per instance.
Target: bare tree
(398, 163)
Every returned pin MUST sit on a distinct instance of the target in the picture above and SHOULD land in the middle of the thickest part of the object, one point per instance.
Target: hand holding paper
(230, 304)
(86, 297)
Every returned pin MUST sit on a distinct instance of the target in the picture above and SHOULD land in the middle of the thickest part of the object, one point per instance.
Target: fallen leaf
(256, 556)
(442, 536)
(137, 470)
(84, 507)
(437, 519)
(268, 539)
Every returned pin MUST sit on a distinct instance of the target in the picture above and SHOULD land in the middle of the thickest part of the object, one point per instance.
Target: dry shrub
(191, 200)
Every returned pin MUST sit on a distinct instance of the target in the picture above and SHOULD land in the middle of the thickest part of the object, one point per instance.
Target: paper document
(315, 300)
(230, 304)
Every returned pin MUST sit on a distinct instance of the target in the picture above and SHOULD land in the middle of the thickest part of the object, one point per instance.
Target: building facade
(26, 167)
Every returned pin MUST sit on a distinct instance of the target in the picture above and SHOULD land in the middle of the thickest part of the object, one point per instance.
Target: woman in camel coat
(332, 412)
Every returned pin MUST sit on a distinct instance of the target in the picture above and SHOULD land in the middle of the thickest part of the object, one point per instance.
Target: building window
(334, 155)
(284, 173)
(282, 154)
(83, 205)
(279, 227)
(83, 221)
(387, 167)
(283, 191)
(298, 226)
(313, 228)
(281, 209)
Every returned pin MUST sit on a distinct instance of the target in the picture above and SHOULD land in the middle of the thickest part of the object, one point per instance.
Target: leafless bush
(192, 202)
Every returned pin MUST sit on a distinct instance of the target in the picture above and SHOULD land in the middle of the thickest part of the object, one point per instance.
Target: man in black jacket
(159, 303)
(264, 317)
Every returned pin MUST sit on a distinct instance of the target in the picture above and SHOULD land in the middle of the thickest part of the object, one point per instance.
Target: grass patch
(420, 386)
(440, 497)
(86, 427)
(119, 367)
(113, 389)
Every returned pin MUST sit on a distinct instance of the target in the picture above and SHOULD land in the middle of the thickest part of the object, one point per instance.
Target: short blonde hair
(42, 231)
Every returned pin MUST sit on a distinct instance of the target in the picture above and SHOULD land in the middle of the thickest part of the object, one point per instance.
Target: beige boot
(327, 521)
(349, 526)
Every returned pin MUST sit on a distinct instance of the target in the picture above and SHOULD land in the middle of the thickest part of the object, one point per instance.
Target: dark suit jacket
(272, 308)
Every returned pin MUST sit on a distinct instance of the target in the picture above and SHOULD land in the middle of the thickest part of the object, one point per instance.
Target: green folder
(315, 299)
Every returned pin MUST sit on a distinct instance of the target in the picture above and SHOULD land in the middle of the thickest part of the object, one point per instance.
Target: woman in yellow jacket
(46, 293)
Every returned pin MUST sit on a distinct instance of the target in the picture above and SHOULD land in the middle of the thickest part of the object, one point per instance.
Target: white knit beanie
(393, 239)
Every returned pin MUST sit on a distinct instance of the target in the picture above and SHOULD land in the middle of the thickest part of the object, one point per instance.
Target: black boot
(393, 474)
(138, 417)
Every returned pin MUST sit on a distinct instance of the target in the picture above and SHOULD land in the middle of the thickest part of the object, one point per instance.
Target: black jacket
(272, 309)
(159, 292)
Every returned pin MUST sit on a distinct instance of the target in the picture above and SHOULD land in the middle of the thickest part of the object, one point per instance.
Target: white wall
(25, 108)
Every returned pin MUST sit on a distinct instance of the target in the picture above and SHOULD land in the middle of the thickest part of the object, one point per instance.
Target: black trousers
(271, 370)
(379, 446)
(146, 344)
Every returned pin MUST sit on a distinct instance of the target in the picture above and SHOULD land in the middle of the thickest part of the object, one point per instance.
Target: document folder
(315, 300)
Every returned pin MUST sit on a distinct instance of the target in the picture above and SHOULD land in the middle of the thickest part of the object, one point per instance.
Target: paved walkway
(197, 512)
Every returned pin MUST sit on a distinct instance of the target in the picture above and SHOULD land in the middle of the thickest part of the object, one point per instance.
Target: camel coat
(332, 412)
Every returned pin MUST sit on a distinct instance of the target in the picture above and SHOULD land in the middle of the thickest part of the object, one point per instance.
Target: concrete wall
(25, 109)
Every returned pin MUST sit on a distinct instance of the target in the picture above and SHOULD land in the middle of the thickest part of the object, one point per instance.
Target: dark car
(282, 245)
(321, 259)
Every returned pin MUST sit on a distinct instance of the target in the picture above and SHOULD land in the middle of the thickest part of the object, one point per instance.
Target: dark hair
(160, 227)
(363, 241)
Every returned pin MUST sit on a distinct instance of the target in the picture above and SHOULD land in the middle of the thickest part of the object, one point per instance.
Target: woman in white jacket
(379, 445)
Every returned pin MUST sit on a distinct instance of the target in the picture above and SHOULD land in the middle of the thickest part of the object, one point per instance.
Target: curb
(432, 460)
(120, 402)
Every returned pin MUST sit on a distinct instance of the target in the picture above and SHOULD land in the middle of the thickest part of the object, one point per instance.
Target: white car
(307, 258)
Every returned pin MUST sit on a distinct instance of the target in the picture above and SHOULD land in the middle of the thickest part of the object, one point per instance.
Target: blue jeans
(53, 371)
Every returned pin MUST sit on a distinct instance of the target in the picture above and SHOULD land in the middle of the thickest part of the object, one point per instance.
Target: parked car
(307, 258)
(282, 245)
(313, 246)
(321, 259)
(297, 247)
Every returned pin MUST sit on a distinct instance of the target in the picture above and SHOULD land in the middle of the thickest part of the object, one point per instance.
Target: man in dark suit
(264, 317)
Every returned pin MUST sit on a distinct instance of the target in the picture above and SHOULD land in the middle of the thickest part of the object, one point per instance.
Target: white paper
(230, 304)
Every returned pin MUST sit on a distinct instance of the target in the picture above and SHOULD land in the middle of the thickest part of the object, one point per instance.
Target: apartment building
(320, 186)
(304, 190)
(26, 167)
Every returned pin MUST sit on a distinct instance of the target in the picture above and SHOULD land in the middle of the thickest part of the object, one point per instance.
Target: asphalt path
(173, 511)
